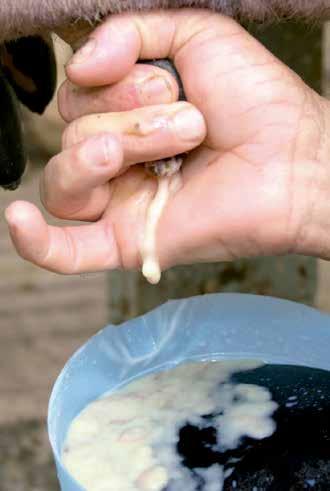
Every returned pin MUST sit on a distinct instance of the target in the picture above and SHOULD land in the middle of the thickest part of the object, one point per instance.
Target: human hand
(257, 185)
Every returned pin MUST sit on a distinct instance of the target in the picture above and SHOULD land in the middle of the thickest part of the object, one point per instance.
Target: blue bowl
(220, 326)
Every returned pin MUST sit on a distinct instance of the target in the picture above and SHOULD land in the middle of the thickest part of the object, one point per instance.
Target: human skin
(72, 19)
(257, 183)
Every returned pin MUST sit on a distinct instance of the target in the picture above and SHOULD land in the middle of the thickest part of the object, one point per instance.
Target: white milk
(126, 441)
(151, 268)
(165, 186)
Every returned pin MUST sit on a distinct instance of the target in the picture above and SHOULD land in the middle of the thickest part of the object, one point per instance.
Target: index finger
(114, 47)
(107, 56)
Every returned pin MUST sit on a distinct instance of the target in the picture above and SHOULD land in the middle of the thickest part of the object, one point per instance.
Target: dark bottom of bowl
(295, 457)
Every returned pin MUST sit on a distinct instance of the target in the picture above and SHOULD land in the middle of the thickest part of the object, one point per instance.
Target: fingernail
(84, 53)
(189, 124)
(97, 150)
(155, 89)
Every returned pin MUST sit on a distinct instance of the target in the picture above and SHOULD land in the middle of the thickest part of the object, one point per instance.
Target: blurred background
(45, 317)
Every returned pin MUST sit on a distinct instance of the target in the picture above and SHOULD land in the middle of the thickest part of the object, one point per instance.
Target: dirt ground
(53, 317)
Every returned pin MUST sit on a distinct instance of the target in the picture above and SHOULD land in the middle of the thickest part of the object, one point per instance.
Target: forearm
(23, 17)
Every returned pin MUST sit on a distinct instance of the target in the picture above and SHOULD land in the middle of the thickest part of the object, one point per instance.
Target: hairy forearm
(23, 17)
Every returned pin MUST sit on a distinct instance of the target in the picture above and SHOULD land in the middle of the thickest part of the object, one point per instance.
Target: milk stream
(151, 268)
(128, 440)
(166, 184)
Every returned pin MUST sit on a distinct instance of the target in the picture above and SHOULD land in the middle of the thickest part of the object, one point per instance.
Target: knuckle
(54, 195)
(73, 133)
(79, 156)
(63, 188)
(48, 183)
